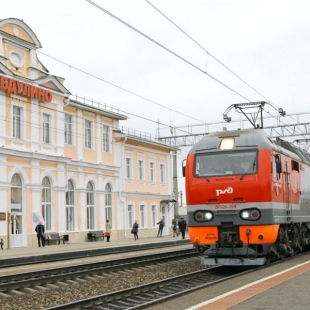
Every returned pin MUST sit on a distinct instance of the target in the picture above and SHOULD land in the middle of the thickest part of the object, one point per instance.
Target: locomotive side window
(226, 163)
(277, 167)
(295, 165)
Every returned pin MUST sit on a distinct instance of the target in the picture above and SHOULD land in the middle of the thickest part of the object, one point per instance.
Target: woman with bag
(107, 232)
(134, 230)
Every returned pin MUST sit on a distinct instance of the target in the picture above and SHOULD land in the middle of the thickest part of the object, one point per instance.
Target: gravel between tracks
(91, 287)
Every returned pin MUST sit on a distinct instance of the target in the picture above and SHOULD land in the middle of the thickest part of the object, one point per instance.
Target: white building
(69, 160)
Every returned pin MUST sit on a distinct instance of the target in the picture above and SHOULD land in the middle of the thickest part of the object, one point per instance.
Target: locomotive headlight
(227, 144)
(250, 214)
(209, 216)
(203, 216)
(245, 215)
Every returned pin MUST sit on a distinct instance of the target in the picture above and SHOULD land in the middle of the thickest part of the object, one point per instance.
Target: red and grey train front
(228, 192)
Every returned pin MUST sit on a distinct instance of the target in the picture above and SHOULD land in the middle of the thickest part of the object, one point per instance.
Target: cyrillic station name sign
(23, 89)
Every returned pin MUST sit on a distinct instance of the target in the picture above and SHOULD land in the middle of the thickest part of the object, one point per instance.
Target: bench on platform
(53, 236)
(94, 235)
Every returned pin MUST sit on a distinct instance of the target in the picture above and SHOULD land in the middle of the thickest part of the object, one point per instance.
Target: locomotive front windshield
(225, 163)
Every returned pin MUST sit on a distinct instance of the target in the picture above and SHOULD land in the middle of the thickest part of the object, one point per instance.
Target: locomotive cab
(241, 198)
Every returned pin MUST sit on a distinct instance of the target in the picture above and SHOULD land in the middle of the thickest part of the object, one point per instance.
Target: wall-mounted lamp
(66, 101)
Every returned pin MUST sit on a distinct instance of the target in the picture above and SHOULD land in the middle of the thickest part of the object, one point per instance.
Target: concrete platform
(286, 289)
(26, 255)
(281, 286)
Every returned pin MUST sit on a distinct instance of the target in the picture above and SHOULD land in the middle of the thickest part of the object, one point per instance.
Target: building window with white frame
(141, 170)
(90, 206)
(68, 129)
(46, 128)
(154, 215)
(47, 203)
(70, 207)
(152, 172)
(130, 215)
(16, 193)
(142, 215)
(106, 139)
(108, 203)
(17, 122)
(162, 173)
(88, 134)
(128, 168)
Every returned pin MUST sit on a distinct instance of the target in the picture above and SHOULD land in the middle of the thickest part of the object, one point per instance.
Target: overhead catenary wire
(124, 89)
(167, 49)
(142, 97)
(141, 117)
(208, 53)
(216, 59)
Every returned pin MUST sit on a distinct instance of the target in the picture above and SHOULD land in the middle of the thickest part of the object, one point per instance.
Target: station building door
(17, 231)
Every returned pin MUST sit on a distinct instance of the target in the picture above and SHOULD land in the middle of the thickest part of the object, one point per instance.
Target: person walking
(40, 230)
(175, 228)
(182, 227)
(135, 228)
(160, 227)
(107, 232)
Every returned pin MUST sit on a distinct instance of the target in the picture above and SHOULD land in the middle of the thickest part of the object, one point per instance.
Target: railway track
(134, 283)
(143, 296)
(56, 275)
(150, 294)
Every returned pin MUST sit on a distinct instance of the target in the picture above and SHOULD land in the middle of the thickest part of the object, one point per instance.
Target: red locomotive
(248, 198)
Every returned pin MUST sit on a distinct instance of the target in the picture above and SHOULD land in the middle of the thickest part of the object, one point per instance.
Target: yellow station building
(67, 159)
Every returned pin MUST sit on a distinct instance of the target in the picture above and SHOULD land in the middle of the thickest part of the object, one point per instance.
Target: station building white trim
(68, 159)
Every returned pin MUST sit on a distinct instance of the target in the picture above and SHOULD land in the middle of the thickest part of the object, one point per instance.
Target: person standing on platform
(40, 230)
(160, 227)
(107, 232)
(135, 228)
(182, 227)
(175, 228)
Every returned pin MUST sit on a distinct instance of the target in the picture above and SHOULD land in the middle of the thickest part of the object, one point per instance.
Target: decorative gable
(51, 82)
(18, 59)
(17, 30)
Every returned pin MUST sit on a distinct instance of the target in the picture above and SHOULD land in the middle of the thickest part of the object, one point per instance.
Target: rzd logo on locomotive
(228, 190)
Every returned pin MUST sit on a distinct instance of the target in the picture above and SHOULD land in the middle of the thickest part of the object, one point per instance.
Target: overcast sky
(265, 42)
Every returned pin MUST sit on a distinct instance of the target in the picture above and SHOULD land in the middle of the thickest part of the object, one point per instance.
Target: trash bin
(89, 236)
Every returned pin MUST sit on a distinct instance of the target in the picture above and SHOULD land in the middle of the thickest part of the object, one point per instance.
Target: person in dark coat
(160, 227)
(135, 228)
(40, 230)
(182, 227)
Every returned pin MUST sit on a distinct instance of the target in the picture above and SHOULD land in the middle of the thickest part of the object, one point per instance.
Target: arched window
(90, 206)
(16, 208)
(47, 203)
(16, 193)
(108, 203)
(70, 207)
